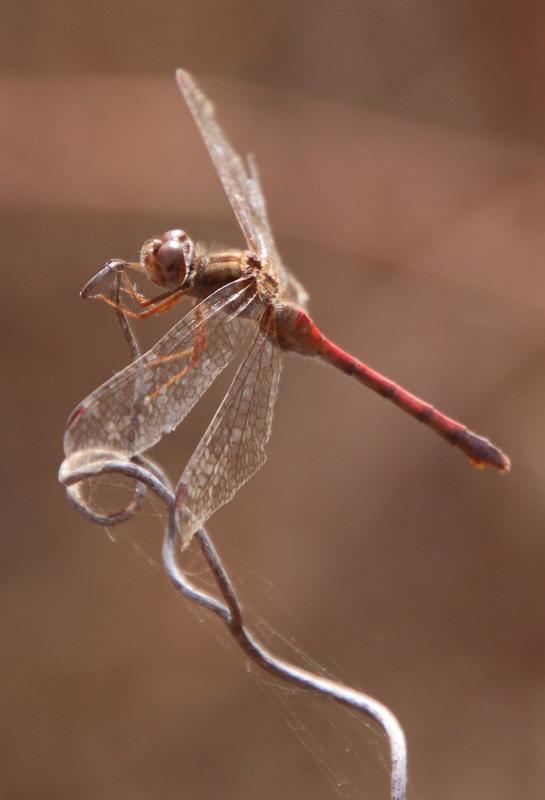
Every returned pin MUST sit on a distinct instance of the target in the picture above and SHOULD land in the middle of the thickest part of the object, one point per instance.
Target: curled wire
(229, 610)
(147, 475)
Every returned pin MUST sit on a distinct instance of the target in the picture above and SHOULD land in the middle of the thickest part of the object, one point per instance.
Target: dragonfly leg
(154, 305)
(114, 266)
(193, 352)
(130, 289)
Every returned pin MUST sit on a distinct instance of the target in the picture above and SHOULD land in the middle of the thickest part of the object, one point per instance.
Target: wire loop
(147, 475)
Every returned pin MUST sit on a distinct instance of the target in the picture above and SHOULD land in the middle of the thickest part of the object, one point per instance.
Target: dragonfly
(245, 303)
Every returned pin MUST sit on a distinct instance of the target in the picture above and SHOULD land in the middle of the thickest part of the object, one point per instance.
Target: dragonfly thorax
(266, 284)
(212, 270)
(168, 259)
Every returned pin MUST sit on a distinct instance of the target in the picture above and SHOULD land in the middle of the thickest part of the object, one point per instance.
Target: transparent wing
(243, 189)
(233, 447)
(295, 289)
(130, 413)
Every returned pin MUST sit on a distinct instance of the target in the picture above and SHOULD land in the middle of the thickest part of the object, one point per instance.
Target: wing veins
(252, 401)
(232, 449)
(116, 415)
(238, 385)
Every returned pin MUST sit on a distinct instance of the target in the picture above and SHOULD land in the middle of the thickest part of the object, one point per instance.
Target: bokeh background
(402, 150)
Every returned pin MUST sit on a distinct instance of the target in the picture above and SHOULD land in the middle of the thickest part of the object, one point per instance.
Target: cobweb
(347, 750)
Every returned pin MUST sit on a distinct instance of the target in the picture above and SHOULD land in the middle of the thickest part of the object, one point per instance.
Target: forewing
(296, 291)
(243, 189)
(129, 413)
(233, 447)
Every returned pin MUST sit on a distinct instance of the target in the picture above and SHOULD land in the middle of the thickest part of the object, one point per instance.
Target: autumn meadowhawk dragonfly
(242, 298)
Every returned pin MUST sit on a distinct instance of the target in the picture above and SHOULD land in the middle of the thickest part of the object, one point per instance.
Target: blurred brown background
(402, 150)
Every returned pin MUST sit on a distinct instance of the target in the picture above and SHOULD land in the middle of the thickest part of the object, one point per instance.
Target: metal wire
(147, 475)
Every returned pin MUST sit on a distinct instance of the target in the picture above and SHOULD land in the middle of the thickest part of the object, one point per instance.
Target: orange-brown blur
(402, 151)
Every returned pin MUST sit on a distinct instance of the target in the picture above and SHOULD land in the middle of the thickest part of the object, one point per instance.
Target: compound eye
(169, 258)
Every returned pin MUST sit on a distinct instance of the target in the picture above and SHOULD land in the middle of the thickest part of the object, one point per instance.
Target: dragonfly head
(168, 259)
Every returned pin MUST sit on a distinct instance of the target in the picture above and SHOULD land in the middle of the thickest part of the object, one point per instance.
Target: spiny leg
(153, 305)
(128, 288)
(139, 298)
(194, 353)
(157, 305)
(116, 266)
